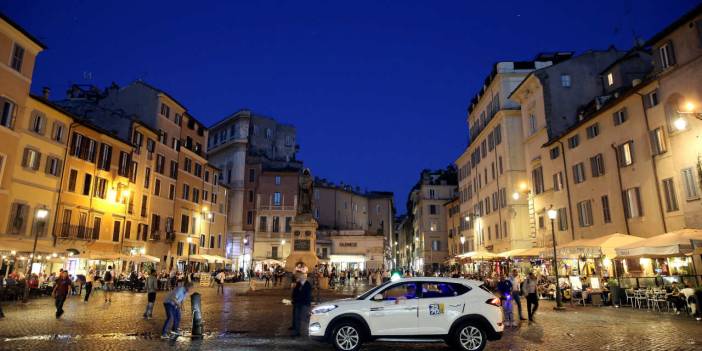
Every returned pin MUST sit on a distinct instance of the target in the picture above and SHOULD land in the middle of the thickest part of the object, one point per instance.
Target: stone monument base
(304, 229)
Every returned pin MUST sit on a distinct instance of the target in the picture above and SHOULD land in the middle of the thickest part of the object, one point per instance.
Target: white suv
(460, 312)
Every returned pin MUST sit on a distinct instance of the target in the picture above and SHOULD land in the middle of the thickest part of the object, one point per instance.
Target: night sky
(378, 90)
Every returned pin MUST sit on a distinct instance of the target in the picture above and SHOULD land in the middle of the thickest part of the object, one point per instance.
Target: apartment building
(355, 226)
(492, 168)
(452, 212)
(429, 227)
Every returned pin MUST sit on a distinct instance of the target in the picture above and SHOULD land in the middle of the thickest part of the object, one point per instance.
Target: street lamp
(680, 123)
(552, 214)
(40, 215)
(190, 247)
(463, 243)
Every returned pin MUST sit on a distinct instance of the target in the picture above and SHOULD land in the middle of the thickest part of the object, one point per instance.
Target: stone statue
(304, 206)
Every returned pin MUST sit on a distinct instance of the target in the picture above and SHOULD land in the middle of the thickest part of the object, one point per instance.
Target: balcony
(275, 208)
(76, 232)
(155, 235)
(170, 236)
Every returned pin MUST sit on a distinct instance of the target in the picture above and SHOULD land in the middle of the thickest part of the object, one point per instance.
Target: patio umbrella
(605, 245)
(676, 243)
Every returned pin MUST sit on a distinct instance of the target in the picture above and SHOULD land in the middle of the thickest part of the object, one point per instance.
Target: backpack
(108, 276)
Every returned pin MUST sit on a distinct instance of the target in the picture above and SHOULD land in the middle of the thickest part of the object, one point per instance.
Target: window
(249, 217)
(17, 58)
(593, 130)
(625, 152)
(620, 117)
(184, 223)
(87, 182)
(202, 240)
(186, 192)
(432, 209)
(100, 188)
(276, 224)
(174, 170)
(269, 133)
(574, 141)
(105, 158)
(38, 122)
(565, 80)
(605, 209)
(436, 245)
(188, 165)
(116, 231)
(658, 141)
(171, 192)
(610, 79)
(53, 166)
(651, 99)
(124, 162)
(133, 172)
(288, 224)
(597, 165)
(671, 201)
(165, 110)
(179, 249)
(198, 170)
(196, 195)
(219, 241)
(97, 221)
(72, 178)
(276, 198)
(251, 196)
(555, 152)
(18, 218)
(579, 173)
(557, 181)
(632, 203)
(252, 175)
(160, 163)
(147, 177)
(562, 219)
(212, 241)
(537, 176)
(541, 222)
(277, 180)
(400, 291)
(31, 159)
(532, 124)
(8, 113)
(57, 132)
(432, 194)
(144, 204)
(263, 224)
(585, 213)
(666, 55)
(691, 185)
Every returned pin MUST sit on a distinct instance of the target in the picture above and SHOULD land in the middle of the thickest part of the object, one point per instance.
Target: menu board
(205, 279)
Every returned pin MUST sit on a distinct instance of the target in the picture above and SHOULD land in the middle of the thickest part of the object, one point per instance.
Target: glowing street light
(515, 195)
(42, 213)
(680, 123)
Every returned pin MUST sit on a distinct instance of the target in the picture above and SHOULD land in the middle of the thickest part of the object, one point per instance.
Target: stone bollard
(198, 324)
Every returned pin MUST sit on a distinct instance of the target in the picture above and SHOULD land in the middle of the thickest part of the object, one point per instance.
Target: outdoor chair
(640, 298)
(629, 297)
(657, 299)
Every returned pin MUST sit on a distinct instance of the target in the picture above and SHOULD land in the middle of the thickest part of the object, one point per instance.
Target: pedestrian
(150, 286)
(301, 300)
(108, 283)
(89, 279)
(173, 303)
(62, 287)
(517, 292)
(504, 287)
(530, 286)
(267, 276)
(219, 278)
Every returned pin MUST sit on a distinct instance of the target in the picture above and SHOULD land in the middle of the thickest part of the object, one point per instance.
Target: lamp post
(190, 248)
(282, 248)
(41, 215)
(552, 214)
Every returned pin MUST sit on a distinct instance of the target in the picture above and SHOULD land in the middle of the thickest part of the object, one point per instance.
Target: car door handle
(373, 309)
(410, 308)
(456, 306)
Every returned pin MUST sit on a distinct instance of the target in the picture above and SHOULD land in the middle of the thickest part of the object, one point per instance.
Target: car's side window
(435, 290)
(404, 291)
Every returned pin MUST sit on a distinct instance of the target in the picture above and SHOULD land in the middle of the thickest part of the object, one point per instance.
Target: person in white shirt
(89, 279)
(517, 291)
(220, 281)
(530, 286)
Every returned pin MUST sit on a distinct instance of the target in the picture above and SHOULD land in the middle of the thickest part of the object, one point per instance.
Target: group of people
(510, 290)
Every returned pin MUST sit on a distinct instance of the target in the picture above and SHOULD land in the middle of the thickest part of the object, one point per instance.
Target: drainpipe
(621, 188)
(567, 183)
(63, 172)
(654, 165)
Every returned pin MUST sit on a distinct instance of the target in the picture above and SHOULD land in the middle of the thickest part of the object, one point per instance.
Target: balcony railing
(155, 235)
(170, 236)
(269, 207)
(76, 232)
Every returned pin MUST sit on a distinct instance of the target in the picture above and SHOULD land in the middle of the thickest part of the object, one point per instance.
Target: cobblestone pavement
(258, 320)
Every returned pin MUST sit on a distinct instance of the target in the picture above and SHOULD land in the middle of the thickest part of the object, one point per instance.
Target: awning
(27, 245)
(271, 262)
(209, 258)
(144, 258)
(605, 245)
(478, 255)
(676, 243)
(347, 258)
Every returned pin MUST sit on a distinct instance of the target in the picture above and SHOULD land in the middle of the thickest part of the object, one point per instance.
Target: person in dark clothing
(301, 300)
(61, 288)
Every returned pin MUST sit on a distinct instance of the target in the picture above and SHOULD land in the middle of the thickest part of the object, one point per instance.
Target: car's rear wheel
(469, 337)
(347, 336)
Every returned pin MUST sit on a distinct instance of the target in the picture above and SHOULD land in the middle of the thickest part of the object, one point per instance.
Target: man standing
(173, 303)
(150, 286)
(61, 288)
(301, 300)
(220, 281)
(530, 286)
(504, 287)
(89, 279)
(517, 292)
(109, 284)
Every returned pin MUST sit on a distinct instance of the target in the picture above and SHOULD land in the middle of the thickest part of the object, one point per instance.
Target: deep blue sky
(378, 90)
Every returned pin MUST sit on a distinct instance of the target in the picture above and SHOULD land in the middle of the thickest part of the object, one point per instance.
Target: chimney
(46, 91)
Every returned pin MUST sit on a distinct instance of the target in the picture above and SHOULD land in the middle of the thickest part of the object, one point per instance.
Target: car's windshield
(372, 291)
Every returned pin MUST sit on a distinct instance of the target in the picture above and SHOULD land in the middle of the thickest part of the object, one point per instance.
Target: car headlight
(324, 309)
(315, 327)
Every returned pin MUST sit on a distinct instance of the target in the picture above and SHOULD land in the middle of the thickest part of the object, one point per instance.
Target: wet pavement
(258, 320)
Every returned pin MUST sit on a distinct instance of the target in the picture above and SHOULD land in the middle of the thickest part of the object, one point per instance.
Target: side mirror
(378, 297)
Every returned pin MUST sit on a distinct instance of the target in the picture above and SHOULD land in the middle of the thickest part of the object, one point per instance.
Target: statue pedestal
(304, 248)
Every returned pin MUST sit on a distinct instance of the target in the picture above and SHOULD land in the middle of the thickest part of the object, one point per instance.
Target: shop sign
(348, 244)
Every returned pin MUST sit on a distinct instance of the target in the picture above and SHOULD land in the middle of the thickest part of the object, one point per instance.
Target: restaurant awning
(209, 258)
(605, 245)
(144, 258)
(676, 243)
(27, 245)
(478, 255)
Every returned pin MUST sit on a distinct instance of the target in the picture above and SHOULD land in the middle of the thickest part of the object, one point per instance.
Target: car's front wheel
(347, 337)
(469, 337)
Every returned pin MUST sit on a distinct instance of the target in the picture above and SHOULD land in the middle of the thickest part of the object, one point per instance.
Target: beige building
(452, 211)
(355, 227)
(492, 167)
